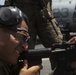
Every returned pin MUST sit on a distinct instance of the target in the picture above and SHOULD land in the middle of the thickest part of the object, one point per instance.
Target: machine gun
(61, 50)
(62, 54)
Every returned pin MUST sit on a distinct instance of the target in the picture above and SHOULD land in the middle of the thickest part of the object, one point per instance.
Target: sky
(1, 2)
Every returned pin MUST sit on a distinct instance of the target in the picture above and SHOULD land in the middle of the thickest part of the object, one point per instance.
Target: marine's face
(12, 43)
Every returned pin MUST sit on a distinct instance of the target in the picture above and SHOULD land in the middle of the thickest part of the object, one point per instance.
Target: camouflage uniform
(39, 25)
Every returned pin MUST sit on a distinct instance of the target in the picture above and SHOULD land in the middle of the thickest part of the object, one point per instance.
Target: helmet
(10, 16)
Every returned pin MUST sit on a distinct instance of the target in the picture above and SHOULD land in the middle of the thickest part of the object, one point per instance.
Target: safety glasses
(20, 33)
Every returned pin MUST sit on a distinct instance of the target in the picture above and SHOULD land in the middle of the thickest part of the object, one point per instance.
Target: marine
(47, 31)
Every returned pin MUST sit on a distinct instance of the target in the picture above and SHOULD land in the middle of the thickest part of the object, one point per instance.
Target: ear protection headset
(10, 16)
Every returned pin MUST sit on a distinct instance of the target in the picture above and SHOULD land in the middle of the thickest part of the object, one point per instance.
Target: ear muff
(10, 16)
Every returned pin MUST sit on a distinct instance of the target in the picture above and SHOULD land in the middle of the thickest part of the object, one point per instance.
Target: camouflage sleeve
(54, 22)
(58, 31)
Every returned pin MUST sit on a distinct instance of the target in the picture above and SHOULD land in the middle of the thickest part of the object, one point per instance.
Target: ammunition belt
(28, 1)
